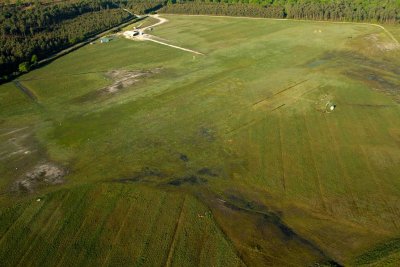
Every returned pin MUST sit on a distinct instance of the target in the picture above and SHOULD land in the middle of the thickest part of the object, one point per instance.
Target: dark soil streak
(25, 90)
(280, 92)
(146, 172)
(191, 180)
(368, 105)
(273, 218)
(207, 171)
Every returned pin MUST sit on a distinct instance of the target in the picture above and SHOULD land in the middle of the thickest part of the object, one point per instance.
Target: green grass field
(225, 159)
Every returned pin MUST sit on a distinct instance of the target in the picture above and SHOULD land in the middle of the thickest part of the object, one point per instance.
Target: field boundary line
(173, 243)
(299, 20)
(173, 46)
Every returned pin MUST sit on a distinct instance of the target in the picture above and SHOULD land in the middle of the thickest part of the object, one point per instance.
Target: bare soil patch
(42, 174)
(125, 78)
(380, 44)
(120, 80)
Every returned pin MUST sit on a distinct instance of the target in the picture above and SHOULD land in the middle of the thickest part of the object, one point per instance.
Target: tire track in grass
(378, 185)
(342, 168)
(72, 240)
(155, 219)
(118, 234)
(26, 91)
(59, 235)
(176, 231)
(318, 177)
(77, 233)
(278, 93)
(49, 220)
(13, 225)
(393, 209)
(139, 226)
(9, 217)
(373, 173)
(105, 227)
(30, 217)
(114, 199)
(283, 179)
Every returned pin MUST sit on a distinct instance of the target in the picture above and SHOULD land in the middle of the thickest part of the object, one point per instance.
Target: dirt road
(148, 37)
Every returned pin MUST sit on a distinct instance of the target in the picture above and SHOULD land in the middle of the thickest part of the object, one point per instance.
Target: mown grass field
(225, 159)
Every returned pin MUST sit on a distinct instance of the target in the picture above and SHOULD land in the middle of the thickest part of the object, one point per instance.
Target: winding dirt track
(151, 38)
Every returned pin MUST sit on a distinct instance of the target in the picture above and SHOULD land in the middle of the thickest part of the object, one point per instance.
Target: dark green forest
(33, 31)
(380, 11)
(29, 33)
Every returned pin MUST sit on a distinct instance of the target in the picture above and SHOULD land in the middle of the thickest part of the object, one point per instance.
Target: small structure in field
(330, 106)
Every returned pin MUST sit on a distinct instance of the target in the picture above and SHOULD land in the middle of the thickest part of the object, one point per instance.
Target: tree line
(380, 11)
(31, 32)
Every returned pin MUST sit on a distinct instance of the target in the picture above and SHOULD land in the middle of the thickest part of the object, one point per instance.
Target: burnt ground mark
(269, 217)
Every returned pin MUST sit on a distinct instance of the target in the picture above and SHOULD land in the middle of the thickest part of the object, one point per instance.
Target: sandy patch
(42, 174)
(125, 78)
(380, 44)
